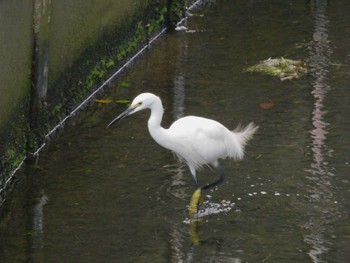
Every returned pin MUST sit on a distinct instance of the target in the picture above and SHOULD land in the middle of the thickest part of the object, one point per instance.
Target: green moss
(177, 11)
(280, 68)
(13, 145)
(155, 23)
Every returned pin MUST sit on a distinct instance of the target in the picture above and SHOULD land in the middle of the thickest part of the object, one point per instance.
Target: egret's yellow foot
(194, 232)
(195, 200)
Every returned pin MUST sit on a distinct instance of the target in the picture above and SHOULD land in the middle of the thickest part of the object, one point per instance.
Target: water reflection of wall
(320, 186)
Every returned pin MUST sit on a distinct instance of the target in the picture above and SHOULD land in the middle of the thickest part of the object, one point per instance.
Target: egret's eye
(139, 104)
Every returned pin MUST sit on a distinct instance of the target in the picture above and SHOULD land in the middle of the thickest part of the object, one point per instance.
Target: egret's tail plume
(245, 134)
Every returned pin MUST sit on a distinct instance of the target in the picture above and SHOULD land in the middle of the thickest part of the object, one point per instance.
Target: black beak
(121, 116)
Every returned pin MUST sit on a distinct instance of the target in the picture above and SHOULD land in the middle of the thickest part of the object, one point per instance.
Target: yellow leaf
(123, 101)
(104, 101)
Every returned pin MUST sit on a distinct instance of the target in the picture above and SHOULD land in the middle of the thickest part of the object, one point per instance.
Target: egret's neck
(157, 132)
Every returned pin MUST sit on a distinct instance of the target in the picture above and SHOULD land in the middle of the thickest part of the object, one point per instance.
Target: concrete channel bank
(55, 54)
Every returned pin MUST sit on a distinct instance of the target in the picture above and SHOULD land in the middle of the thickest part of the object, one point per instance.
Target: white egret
(199, 141)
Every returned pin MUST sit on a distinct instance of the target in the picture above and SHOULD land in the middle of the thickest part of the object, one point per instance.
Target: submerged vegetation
(284, 69)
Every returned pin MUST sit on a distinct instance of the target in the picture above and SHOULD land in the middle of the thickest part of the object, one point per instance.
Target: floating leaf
(266, 105)
(104, 101)
(123, 101)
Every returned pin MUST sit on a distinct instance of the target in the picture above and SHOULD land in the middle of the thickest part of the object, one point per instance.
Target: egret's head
(141, 102)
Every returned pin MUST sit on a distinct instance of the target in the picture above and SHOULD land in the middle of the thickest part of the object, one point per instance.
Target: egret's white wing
(200, 140)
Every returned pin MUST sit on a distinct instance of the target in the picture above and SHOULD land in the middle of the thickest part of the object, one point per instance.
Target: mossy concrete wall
(53, 54)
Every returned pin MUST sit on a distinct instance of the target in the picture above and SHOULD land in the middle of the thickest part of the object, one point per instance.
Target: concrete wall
(16, 49)
(53, 54)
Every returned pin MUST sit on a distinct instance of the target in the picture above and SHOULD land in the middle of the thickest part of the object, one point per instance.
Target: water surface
(114, 195)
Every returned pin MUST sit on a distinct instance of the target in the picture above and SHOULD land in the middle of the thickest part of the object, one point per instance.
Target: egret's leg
(221, 173)
(195, 200)
(196, 196)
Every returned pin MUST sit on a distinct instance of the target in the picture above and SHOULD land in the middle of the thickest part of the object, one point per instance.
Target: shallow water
(114, 195)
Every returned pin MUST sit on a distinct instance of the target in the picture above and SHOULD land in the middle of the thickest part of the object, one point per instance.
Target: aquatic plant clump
(284, 69)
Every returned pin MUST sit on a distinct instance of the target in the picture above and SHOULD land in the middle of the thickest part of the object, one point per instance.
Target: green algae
(284, 69)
